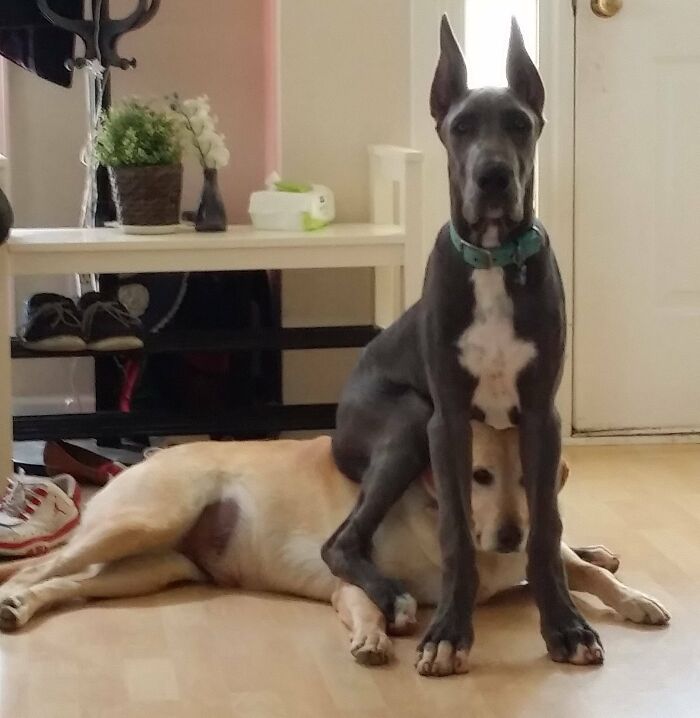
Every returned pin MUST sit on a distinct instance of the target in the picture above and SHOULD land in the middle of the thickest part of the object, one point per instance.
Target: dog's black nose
(494, 178)
(509, 538)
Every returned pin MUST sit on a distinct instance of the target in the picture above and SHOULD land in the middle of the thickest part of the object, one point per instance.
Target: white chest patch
(490, 351)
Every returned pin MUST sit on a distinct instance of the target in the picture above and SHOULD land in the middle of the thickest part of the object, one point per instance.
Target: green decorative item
(284, 186)
(291, 206)
(141, 147)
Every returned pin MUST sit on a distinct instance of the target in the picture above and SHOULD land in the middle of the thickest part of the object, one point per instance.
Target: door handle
(606, 8)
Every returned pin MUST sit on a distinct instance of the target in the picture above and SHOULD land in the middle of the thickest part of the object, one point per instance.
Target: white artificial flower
(189, 108)
(200, 126)
(207, 138)
(197, 125)
(217, 157)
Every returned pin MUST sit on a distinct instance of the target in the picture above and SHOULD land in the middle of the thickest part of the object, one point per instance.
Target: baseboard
(53, 404)
(630, 439)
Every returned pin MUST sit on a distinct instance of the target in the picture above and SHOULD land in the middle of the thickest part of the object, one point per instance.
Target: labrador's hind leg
(132, 576)
(92, 544)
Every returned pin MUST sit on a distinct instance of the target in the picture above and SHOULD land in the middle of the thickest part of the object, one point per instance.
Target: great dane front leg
(445, 647)
(568, 636)
(399, 456)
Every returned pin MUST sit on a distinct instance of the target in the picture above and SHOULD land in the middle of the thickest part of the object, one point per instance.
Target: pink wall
(217, 48)
(271, 45)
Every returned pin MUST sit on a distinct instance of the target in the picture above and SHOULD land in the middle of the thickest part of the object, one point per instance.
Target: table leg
(6, 306)
(388, 299)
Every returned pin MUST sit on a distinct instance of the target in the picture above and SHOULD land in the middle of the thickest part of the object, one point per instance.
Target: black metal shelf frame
(252, 420)
(336, 337)
(244, 420)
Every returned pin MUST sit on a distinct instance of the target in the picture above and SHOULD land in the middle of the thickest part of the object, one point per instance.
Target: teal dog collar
(516, 251)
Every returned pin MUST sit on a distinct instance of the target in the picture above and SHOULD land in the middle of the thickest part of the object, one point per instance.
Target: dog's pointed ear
(523, 78)
(450, 81)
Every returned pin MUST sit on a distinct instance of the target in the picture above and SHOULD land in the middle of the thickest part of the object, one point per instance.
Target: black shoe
(52, 324)
(108, 326)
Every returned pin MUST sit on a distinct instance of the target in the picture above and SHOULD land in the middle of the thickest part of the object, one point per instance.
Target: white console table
(391, 244)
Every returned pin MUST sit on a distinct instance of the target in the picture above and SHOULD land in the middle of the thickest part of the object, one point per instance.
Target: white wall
(46, 132)
(344, 84)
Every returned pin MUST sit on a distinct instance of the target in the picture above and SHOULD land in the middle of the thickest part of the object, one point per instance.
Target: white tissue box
(293, 211)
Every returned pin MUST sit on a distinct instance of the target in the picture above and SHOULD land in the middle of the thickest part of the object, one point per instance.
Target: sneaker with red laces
(38, 514)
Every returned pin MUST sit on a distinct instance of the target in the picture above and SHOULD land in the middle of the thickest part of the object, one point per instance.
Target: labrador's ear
(450, 81)
(523, 78)
(428, 480)
(563, 473)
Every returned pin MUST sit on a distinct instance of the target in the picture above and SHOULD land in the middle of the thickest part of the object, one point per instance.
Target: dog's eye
(463, 125)
(483, 477)
(518, 121)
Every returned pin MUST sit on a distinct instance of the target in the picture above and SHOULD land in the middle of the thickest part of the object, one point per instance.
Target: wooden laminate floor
(200, 652)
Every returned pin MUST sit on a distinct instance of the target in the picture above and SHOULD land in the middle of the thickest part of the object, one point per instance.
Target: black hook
(102, 45)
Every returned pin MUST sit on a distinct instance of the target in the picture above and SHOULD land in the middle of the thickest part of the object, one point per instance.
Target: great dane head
(490, 135)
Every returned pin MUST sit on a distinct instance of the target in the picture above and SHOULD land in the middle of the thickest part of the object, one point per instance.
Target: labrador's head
(500, 516)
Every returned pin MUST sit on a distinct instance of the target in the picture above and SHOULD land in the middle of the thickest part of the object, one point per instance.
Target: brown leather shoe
(60, 457)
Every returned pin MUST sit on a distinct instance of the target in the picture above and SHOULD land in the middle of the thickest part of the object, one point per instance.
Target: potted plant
(141, 148)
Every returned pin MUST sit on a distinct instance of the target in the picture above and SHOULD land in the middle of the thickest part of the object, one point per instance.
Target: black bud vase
(211, 215)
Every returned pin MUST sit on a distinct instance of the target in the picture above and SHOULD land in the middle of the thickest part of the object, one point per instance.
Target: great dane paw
(11, 614)
(444, 649)
(575, 643)
(404, 619)
(397, 605)
(640, 608)
(371, 647)
(442, 659)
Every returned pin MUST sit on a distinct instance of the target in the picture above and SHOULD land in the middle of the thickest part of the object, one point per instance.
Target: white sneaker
(37, 514)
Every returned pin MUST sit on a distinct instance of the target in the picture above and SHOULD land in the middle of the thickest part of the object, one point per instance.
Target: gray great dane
(485, 341)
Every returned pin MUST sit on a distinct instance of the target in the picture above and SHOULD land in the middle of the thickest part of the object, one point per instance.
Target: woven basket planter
(147, 195)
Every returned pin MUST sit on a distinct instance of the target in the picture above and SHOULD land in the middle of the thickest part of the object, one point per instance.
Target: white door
(636, 349)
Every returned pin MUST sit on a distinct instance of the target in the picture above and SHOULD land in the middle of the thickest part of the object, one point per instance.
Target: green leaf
(132, 134)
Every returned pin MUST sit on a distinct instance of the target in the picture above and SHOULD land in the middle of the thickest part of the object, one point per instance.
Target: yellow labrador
(255, 514)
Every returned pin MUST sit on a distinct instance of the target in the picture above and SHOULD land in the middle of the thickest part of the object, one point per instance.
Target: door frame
(556, 44)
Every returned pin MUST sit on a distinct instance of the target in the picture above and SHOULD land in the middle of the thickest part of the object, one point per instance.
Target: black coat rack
(100, 35)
